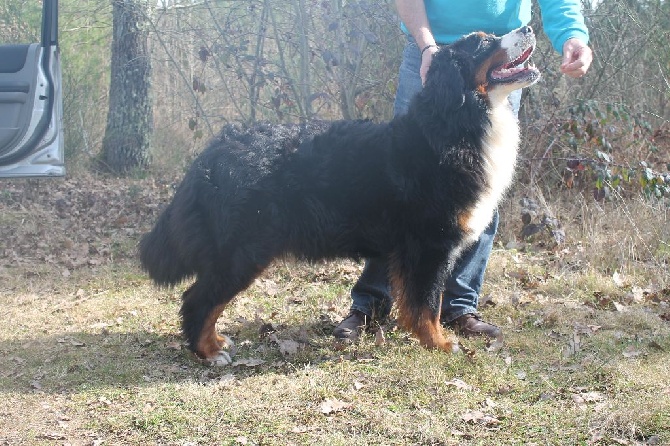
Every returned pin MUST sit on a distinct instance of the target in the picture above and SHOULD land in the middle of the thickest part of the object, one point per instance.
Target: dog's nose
(526, 30)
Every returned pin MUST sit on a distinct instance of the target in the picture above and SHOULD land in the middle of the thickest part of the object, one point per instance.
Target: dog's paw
(221, 359)
(225, 342)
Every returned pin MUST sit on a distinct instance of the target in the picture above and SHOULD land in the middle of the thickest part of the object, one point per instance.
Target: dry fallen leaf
(631, 352)
(460, 434)
(269, 286)
(636, 295)
(332, 405)
(487, 300)
(618, 280)
(173, 345)
(469, 353)
(479, 417)
(249, 362)
(579, 401)
(227, 380)
(591, 397)
(288, 347)
(459, 384)
(582, 399)
(380, 339)
(654, 440)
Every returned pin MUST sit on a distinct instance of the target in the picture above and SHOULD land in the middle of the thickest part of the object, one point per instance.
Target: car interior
(31, 128)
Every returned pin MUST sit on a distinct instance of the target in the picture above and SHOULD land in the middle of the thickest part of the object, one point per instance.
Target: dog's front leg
(417, 278)
(427, 328)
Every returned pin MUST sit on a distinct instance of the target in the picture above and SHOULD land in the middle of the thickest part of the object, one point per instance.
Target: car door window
(31, 134)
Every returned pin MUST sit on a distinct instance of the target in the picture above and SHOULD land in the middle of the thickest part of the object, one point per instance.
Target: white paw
(221, 359)
(229, 345)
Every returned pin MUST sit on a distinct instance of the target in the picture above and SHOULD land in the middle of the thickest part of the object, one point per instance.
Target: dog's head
(491, 67)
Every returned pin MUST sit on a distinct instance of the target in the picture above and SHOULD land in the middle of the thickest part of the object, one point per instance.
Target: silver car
(31, 104)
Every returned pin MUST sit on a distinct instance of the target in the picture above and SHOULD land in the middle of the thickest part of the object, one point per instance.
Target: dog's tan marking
(209, 342)
(422, 323)
(463, 219)
(426, 327)
(481, 75)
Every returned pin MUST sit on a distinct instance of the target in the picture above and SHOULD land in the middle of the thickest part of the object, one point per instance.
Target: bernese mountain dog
(415, 191)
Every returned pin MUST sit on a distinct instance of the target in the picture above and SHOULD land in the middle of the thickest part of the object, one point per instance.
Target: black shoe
(352, 326)
(471, 324)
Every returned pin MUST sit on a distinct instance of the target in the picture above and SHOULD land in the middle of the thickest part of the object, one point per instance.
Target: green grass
(100, 358)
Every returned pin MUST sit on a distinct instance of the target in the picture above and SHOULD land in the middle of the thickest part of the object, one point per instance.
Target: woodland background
(214, 62)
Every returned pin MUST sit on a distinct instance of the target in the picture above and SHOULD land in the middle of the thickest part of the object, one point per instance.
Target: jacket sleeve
(563, 20)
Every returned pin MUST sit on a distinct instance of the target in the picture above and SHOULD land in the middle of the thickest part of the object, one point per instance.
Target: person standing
(429, 24)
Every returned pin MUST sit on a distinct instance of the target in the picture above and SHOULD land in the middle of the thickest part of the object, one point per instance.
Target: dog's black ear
(447, 81)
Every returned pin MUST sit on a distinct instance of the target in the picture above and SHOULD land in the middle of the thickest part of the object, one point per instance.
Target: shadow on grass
(71, 361)
(74, 361)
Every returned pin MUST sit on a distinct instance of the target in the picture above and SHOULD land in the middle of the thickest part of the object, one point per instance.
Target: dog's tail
(160, 253)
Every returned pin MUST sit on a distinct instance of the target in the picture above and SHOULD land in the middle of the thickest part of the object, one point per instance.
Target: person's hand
(577, 58)
(426, 59)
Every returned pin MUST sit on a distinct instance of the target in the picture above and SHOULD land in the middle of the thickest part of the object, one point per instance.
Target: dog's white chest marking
(500, 147)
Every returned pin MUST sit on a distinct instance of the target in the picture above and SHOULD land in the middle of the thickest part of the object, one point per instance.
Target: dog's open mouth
(519, 70)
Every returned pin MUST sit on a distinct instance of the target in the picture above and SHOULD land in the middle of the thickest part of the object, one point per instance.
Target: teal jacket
(451, 19)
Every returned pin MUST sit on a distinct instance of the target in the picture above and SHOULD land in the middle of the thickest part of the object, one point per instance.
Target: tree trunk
(125, 146)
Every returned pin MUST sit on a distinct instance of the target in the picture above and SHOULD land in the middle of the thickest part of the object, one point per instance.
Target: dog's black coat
(320, 190)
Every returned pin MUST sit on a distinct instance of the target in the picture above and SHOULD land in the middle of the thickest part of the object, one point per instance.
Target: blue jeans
(371, 294)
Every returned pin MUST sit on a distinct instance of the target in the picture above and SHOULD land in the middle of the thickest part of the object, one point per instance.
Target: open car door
(31, 104)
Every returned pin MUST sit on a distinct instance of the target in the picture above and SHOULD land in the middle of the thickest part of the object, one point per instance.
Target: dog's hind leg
(204, 302)
(417, 278)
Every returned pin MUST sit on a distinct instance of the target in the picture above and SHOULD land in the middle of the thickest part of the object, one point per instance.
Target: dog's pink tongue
(503, 73)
